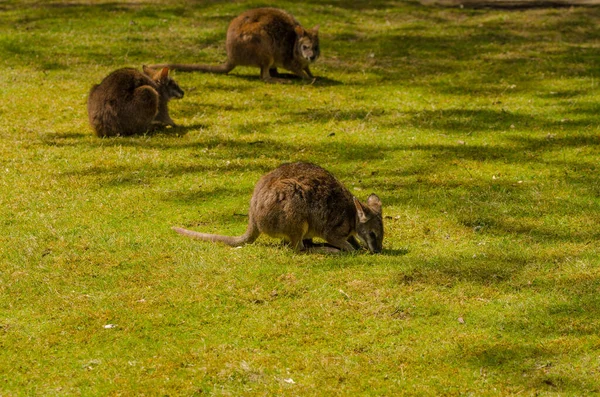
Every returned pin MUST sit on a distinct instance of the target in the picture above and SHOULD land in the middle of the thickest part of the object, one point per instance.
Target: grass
(479, 129)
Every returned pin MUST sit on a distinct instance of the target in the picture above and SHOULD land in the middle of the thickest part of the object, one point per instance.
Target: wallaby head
(167, 87)
(369, 223)
(307, 45)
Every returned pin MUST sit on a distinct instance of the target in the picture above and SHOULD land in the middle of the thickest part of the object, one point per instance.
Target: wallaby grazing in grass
(128, 102)
(268, 38)
(299, 201)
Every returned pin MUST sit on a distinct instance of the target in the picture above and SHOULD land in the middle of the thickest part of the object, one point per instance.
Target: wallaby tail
(250, 236)
(223, 68)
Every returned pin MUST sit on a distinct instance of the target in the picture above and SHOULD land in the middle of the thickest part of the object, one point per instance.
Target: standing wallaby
(128, 102)
(267, 38)
(300, 201)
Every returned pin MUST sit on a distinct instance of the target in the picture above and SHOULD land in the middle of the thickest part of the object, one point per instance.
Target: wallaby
(267, 38)
(299, 201)
(129, 102)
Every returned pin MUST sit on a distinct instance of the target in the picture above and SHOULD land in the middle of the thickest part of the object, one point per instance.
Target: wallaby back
(267, 38)
(129, 102)
(299, 201)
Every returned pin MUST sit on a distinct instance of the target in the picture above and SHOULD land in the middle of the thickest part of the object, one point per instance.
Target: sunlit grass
(479, 130)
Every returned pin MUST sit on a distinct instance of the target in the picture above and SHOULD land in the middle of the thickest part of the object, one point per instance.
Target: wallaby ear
(315, 30)
(360, 211)
(374, 203)
(164, 73)
(299, 31)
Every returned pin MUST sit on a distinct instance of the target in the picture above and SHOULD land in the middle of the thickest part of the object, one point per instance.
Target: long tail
(250, 236)
(223, 68)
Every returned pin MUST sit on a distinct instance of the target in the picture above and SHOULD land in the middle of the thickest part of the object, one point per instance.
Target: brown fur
(300, 201)
(129, 102)
(268, 38)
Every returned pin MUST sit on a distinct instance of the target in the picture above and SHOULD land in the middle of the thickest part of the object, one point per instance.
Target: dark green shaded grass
(477, 128)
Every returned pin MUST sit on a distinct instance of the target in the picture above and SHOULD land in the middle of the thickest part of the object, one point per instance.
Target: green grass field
(479, 130)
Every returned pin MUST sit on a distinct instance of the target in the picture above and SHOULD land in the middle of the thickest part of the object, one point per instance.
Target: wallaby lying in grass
(129, 102)
(268, 38)
(300, 201)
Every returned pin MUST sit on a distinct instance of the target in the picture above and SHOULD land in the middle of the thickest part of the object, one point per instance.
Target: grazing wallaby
(268, 38)
(300, 201)
(129, 102)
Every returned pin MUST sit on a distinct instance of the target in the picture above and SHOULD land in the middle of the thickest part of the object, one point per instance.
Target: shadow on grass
(531, 362)
(319, 81)
(487, 269)
(518, 152)
(395, 252)
(178, 130)
(534, 341)
(118, 175)
(456, 121)
(63, 139)
(80, 139)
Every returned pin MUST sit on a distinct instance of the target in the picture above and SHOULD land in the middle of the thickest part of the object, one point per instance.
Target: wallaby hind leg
(324, 250)
(301, 73)
(307, 70)
(145, 101)
(297, 244)
(342, 244)
(328, 248)
(265, 75)
(320, 248)
(106, 122)
(296, 235)
(141, 110)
